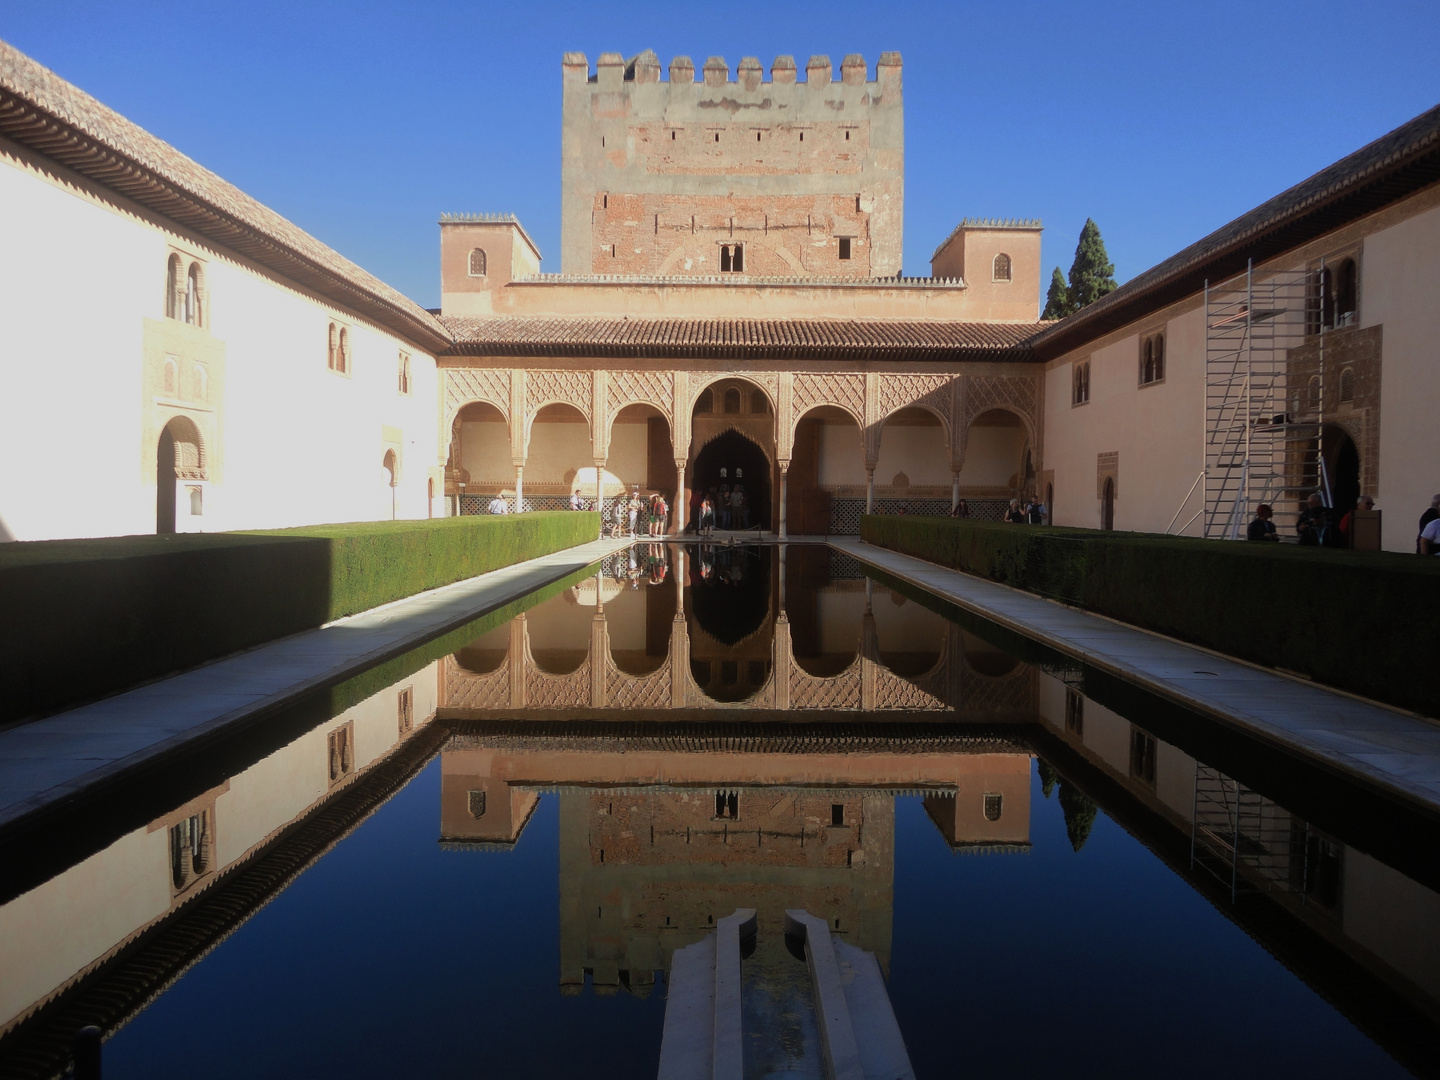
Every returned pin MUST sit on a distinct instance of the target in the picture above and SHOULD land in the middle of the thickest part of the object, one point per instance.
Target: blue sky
(362, 122)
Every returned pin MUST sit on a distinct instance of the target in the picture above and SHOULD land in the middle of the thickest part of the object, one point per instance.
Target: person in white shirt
(498, 505)
(1430, 538)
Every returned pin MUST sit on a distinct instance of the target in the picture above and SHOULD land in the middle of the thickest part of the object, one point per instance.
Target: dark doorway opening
(1342, 462)
(165, 484)
(740, 458)
(1107, 505)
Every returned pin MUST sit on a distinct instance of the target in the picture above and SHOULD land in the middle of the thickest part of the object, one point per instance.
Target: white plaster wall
(629, 454)
(301, 445)
(1399, 283)
(1157, 430)
(485, 453)
(839, 616)
(55, 930)
(70, 361)
(992, 456)
(842, 455)
(919, 452)
(901, 625)
(1394, 917)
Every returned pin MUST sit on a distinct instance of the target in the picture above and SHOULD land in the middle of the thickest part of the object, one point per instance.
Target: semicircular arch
(701, 383)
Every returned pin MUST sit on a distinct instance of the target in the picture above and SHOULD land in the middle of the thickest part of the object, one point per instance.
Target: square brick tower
(747, 175)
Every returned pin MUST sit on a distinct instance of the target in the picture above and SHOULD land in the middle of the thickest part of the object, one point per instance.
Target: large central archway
(732, 458)
(732, 426)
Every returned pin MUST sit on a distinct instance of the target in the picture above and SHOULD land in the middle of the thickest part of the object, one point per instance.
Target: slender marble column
(784, 475)
(677, 511)
(519, 488)
(955, 491)
(870, 490)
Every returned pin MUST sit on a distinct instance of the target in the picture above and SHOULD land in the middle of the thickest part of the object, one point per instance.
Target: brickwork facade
(806, 178)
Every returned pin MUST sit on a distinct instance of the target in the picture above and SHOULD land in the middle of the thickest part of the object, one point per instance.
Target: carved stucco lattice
(1019, 394)
(464, 385)
(545, 691)
(926, 693)
(567, 387)
(846, 391)
(901, 391)
(466, 690)
(842, 691)
(628, 387)
(624, 691)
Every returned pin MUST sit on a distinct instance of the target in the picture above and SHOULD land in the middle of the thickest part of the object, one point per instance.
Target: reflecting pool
(479, 859)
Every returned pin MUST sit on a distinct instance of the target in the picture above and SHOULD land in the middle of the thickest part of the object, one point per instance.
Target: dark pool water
(1042, 861)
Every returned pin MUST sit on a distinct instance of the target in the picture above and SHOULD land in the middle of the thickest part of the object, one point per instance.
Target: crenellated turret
(731, 170)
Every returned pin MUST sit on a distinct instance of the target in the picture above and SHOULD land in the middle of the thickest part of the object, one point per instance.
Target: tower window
(732, 258)
(837, 813)
(844, 247)
(404, 381)
(1000, 269)
(717, 136)
(477, 262)
(1347, 384)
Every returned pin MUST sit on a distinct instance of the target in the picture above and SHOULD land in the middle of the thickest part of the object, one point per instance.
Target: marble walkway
(49, 760)
(1392, 750)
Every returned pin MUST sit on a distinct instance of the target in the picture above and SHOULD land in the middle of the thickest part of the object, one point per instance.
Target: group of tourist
(651, 514)
(728, 507)
(1319, 526)
(644, 564)
(1033, 512)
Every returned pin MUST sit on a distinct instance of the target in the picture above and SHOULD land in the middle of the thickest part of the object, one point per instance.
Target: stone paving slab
(1395, 751)
(49, 760)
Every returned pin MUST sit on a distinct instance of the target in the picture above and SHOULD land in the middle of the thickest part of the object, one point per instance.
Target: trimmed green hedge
(80, 619)
(1360, 621)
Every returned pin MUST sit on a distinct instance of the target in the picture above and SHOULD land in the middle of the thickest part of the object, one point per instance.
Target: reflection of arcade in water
(659, 839)
(748, 630)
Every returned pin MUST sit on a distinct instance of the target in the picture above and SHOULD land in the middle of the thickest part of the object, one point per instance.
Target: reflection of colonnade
(658, 840)
(977, 433)
(506, 675)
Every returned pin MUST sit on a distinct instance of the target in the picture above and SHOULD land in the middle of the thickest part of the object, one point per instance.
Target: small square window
(844, 247)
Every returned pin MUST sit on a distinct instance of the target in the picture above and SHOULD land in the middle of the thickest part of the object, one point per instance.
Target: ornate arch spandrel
(465, 386)
(843, 391)
(1017, 394)
(572, 388)
(933, 393)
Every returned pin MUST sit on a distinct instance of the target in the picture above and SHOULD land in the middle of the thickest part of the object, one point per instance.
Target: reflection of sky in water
(782, 1041)
(394, 957)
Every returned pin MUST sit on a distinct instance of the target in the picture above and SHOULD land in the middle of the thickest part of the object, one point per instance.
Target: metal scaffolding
(1259, 432)
(1262, 434)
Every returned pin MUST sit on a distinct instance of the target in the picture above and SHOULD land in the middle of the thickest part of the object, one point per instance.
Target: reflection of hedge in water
(729, 590)
(1346, 618)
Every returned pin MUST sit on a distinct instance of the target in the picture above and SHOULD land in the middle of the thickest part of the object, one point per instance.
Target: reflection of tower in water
(658, 840)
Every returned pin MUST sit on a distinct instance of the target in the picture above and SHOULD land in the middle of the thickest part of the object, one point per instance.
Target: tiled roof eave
(48, 134)
(1015, 354)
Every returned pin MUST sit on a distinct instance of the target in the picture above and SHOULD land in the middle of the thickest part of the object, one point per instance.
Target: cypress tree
(1079, 812)
(1057, 300)
(1092, 274)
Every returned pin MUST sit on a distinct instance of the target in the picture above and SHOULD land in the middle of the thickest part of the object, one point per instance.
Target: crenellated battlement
(712, 167)
(613, 71)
